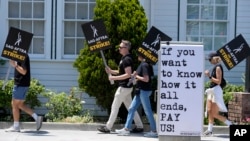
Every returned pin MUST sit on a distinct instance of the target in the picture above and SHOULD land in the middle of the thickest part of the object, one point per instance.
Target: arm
(145, 78)
(20, 69)
(110, 71)
(127, 74)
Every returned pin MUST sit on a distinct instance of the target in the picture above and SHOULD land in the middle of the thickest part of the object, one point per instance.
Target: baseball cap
(211, 55)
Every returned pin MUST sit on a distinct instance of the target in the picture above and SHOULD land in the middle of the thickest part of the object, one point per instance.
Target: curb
(90, 126)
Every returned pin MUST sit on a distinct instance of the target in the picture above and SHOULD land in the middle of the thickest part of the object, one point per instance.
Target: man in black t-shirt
(123, 92)
(21, 86)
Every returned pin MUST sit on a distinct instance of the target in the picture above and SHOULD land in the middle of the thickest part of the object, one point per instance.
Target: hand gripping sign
(97, 38)
(16, 47)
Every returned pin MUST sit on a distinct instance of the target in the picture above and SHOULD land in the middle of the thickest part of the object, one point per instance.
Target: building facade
(58, 37)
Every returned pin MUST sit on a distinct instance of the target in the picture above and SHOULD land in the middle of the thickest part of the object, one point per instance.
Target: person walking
(143, 91)
(123, 92)
(21, 85)
(215, 101)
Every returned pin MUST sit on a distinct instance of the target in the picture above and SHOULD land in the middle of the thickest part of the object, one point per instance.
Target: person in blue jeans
(143, 90)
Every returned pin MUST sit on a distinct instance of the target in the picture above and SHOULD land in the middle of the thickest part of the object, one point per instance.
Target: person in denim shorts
(21, 86)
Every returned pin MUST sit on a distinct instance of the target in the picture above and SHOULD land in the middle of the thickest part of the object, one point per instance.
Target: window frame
(230, 21)
(60, 34)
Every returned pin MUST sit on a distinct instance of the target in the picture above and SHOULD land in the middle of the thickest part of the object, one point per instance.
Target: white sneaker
(39, 123)
(13, 129)
(151, 134)
(122, 132)
(208, 133)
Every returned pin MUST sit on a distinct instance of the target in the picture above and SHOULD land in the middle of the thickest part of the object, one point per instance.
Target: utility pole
(247, 75)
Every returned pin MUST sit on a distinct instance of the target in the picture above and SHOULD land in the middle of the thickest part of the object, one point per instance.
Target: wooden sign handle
(104, 61)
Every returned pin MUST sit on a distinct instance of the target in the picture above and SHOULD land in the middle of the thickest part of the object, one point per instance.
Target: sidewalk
(80, 132)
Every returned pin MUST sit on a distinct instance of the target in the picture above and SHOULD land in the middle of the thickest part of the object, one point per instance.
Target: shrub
(62, 105)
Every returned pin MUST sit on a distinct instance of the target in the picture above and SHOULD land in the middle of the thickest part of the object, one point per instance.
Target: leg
(218, 116)
(210, 112)
(119, 96)
(24, 108)
(148, 109)
(131, 111)
(127, 101)
(15, 110)
(209, 130)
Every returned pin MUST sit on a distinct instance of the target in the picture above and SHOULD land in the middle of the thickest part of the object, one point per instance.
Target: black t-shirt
(213, 74)
(23, 80)
(126, 61)
(144, 69)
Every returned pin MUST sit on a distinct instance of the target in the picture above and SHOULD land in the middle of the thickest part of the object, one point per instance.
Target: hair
(127, 44)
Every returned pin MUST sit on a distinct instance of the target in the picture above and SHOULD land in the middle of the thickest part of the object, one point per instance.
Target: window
(56, 25)
(207, 21)
(28, 15)
(76, 12)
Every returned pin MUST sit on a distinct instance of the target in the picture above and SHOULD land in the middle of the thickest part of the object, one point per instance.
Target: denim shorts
(19, 92)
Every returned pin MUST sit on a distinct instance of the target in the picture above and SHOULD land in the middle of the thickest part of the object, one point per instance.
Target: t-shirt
(23, 80)
(144, 69)
(126, 61)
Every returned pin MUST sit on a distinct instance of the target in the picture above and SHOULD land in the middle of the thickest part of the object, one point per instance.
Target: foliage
(2, 62)
(123, 19)
(32, 96)
(62, 105)
(87, 118)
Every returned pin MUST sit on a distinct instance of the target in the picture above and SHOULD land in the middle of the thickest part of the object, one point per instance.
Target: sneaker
(137, 130)
(151, 134)
(208, 133)
(122, 132)
(103, 129)
(13, 129)
(39, 123)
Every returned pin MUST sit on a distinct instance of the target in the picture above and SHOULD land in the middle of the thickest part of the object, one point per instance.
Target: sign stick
(104, 61)
(6, 77)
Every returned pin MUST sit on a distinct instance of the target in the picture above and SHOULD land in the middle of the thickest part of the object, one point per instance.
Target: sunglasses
(122, 47)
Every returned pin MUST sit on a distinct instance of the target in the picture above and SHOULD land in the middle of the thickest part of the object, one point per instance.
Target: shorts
(19, 92)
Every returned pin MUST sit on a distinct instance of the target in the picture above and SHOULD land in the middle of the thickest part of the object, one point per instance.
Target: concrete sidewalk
(89, 126)
(76, 135)
(80, 132)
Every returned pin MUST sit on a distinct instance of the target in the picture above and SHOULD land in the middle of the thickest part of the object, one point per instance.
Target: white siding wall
(164, 16)
(58, 76)
(242, 27)
(243, 19)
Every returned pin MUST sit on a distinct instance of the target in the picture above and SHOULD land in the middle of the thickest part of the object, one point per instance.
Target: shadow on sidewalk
(35, 133)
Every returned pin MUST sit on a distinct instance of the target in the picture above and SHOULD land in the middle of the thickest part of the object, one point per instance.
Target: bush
(61, 105)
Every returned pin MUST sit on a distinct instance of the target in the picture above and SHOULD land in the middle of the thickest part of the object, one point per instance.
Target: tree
(123, 19)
